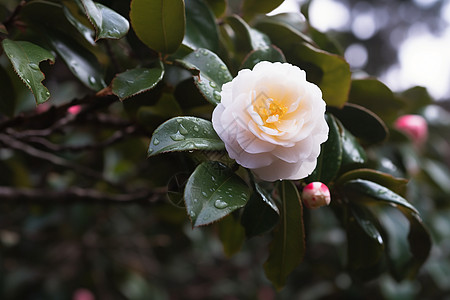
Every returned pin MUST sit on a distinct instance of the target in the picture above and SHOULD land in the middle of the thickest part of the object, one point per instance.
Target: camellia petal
(272, 120)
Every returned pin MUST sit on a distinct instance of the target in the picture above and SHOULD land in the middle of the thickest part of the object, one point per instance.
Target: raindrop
(28, 80)
(223, 67)
(92, 80)
(207, 65)
(33, 66)
(197, 55)
(183, 130)
(155, 142)
(192, 214)
(204, 194)
(213, 178)
(217, 95)
(195, 200)
(220, 204)
(196, 128)
(179, 120)
(150, 150)
(212, 84)
(177, 137)
(204, 52)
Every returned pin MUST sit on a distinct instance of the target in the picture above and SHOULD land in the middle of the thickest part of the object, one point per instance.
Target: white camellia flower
(272, 121)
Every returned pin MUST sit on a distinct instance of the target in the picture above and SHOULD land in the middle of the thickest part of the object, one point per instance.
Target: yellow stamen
(270, 111)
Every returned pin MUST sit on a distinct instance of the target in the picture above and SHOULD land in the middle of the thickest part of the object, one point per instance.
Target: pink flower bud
(83, 294)
(413, 126)
(74, 110)
(316, 194)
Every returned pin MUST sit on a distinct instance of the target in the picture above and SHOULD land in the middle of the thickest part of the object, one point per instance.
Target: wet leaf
(25, 58)
(212, 192)
(201, 28)
(252, 7)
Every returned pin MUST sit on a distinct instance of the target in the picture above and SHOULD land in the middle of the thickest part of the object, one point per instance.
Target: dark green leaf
(83, 63)
(353, 153)
(159, 24)
(416, 98)
(365, 252)
(25, 58)
(212, 192)
(213, 73)
(377, 192)
(152, 116)
(217, 6)
(330, 158)
(107, 23)
(136, 81)
(397, 185)
(438, 173)
(73, 15)
(7, 94)
(287, 248)
(252, 7)
(375, 96)
(361, 122)
(231, 234)
(184, 134)
(251, 38)
(272, 54)
(201, 28)
(260, 214)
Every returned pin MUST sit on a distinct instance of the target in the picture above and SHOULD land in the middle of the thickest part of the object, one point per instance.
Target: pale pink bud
(74, 110)
(83, 294)
(413, 126)
(316, 194)
(42, 107)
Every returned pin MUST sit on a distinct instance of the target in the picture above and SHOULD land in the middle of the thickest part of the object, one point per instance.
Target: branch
(77, 194)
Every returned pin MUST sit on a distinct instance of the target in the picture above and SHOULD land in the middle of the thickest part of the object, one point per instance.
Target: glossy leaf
(72, 14)
(7, 94)
(365, 252)
(287, 248)
(253, 7)
(353, 154)
(416, 98)
(361, 122)
(397, 185)
(251, 38)
(83, 63)
(272, 54)
(107, 23)
(201, 28)
(376, 97)
(159, 24)
(25, 58)
(231, 234)
(136, 81)
(330, 158)
(213, 73)
(218, 7)
(378, 192)
(212, 192)
(438, 173)
(184, 134)
(260, 214)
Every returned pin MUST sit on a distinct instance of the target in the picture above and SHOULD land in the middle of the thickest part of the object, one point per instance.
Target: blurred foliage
(81, 207)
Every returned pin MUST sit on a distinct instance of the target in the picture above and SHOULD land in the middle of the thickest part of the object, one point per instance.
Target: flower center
(270, 111)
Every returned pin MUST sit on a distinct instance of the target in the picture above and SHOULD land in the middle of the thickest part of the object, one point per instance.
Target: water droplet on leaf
(155, 142)
(212, 84)
(192, 214)
(217, 95)
(220, 204)
(33, 66)
(204, 194)
(92, 80)
(196, 128)
(183, 130)
(177, 137)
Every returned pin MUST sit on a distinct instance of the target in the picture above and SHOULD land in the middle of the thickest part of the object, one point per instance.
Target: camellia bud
(74, 110)
(316, 194)
(413, 126)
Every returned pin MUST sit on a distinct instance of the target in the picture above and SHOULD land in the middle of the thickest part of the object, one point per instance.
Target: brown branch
(77, 194)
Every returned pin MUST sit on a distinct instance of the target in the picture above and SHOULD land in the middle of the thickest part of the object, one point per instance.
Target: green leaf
(83, 63)
(251, 38)
(159, 24)
(73, 15)
(272, 54)
(260, 214)
(212, 192)
(438, 173)
(7, 94)
(25, 58)
(377, 192)
(175, 189)
(107, 23)
(397, 185)
(136, 81)
(361, 122)
(184, 134)
(287, 248)
(330, 158)
(376, 97)
(152, 116)
(201, 28)
(365, 251)
(218, 7)
(231, 234)
(213, 73)
(252, 7)
(416, 98)
(353, 153)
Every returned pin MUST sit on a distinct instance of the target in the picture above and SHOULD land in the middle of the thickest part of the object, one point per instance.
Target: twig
(77, 194)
